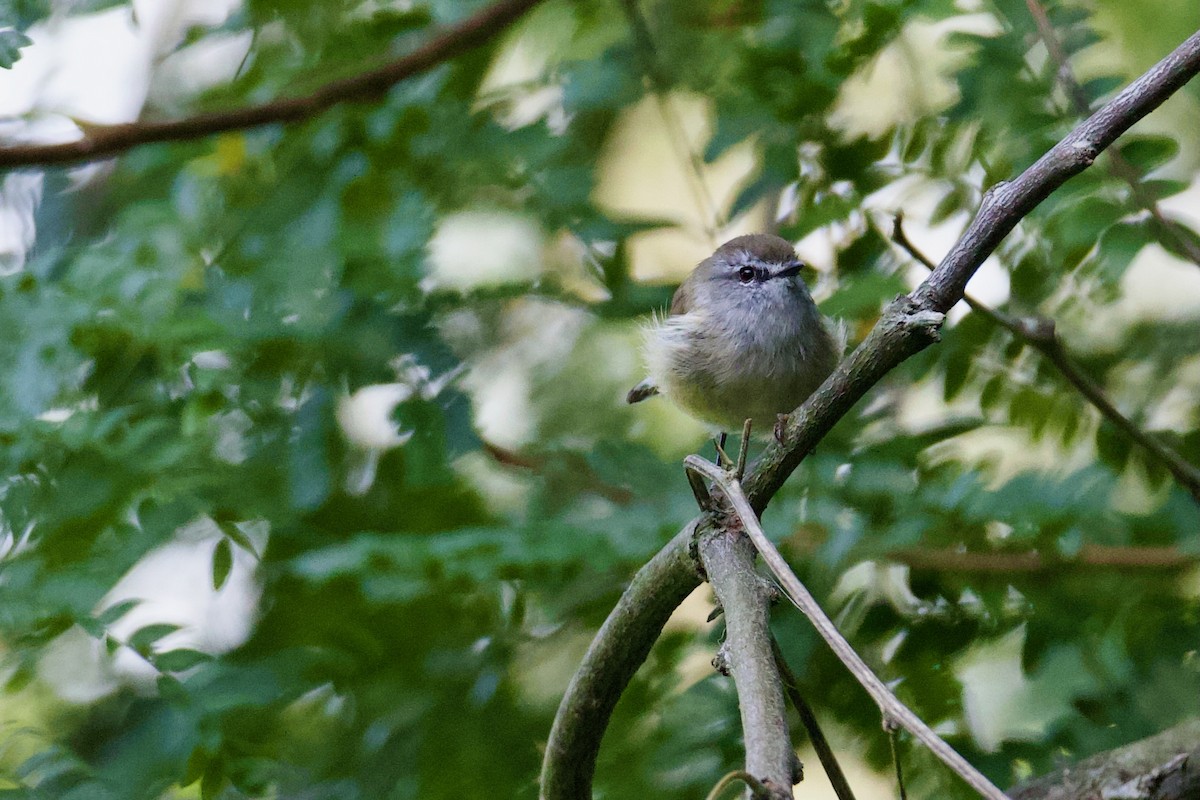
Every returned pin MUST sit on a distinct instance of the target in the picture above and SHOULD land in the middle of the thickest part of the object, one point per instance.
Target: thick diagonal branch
(1162, 767)
(105, 140)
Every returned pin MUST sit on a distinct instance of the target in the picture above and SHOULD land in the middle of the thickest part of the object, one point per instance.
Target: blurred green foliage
(412, 641)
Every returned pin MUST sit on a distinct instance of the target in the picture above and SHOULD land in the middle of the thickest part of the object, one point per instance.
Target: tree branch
(620, 647)
(728, 559)
(1039, 333)
(908, 325)
(1002, 563)
(105, 140)
(1119, 166)
(1163, 767)
(894, 712)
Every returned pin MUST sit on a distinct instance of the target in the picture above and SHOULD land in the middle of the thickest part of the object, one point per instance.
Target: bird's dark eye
(746, 274)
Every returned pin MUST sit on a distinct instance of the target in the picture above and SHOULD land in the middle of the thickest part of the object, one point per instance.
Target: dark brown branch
(1163, 767)
(620, 495)
(908, 325)
(894, 712)
(1092, 555)
(728, 559)
(1119, 166)
(791, 686)
(1039, 333)
(105, 140)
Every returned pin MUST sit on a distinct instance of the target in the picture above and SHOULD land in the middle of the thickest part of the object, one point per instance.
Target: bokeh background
(318, 476)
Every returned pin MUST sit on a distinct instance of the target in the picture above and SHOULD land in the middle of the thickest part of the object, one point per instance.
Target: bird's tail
(640, 392)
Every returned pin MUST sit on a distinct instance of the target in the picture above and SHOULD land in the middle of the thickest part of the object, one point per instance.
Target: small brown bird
(743, 339)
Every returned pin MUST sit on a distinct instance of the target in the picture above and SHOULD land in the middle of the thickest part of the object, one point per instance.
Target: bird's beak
(791, 269)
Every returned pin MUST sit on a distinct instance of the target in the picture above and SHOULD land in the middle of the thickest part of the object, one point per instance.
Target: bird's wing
(681, 301)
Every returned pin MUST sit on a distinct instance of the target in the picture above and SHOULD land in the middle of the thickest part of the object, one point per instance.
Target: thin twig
(1039, 333)
(756, 786)
(105, 140)
(893, 735)
(1118, 164)
(829, 762)
(711, 219)
(743, 449)
(894, 711)
(579, 466)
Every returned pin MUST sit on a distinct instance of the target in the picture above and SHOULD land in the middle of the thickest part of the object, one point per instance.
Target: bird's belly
(727, 398)
(766, 375)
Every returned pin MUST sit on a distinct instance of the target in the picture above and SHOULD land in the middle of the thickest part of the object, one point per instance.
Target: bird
(743, 339)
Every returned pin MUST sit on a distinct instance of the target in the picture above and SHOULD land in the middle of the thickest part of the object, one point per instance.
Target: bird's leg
(781, 421)
(743, 449)
(722, 457)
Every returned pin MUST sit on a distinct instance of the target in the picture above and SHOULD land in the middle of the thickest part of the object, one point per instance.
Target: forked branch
(894, 712)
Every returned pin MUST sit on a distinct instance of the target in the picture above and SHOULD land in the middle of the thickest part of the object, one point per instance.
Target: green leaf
(179, 660)
(92, 627)
(235, 535)
(864, 295)
(1078, 38)
(992, 392)
(1159, 189)
(143, 638)
(955, 378)
(1148, 152)
(951, 203)
(1101, 87)
(222, 563)
(1112, 445)
(19, 679)
(1178, 238)
(213, 780)
(1118, 246)
(311, 479)
(752, 193)
(170, 689)
(117, 610)
(11, 42)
